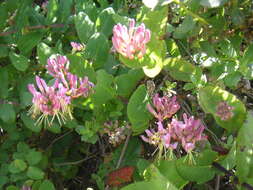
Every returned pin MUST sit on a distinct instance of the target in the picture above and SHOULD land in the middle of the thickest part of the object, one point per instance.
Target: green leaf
(246, 63)
(54, 128)
(28, 41)
(47, 185)
(126, 83)
(169, 171)
(103, 89)
(105, 21)
(99, 53)
(12, 187)
(3, 180)
(4, 78)
(81, 67)
(44, 52)
(180, 69)
(17, 166)
(153, 71)
(20, 62)
(30, 123)
(132, 153)
(52, 7)
(7, 113)
(137, 111)
(208, 48)
(3, 15)
(84, 26)
(229, 161)
(4, 51)
(183, 30)
(35, 173)
(33, 157)
(195, 173)
(150, 185)
(155, 20)
(210, 96)
(244, 150)
(65, 10)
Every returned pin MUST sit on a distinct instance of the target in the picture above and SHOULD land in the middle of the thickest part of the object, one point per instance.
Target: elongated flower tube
(165, 107)
(130, 42)
(161, 136)
(78, 86)
(188, 132)
(224, 111)
(49, 101)
(56, 65)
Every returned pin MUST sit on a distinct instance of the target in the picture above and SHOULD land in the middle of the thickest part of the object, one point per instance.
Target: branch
(33, 28)
(231, 174)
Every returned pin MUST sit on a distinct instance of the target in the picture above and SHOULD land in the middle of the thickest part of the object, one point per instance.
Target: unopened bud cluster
(55, 100)
(117, 134)
(224, 111)
(130, 42)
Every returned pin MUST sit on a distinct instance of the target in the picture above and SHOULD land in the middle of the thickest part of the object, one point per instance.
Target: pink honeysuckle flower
(76, 46)
(24, 187)
(161, 136)
(49, 101)
(79, 86)
(130, 42)
(56, 65)
(188, 132)
(165, 107)
(224, 111)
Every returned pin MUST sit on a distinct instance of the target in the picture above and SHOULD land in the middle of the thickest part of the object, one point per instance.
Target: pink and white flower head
(224, 111)
(165, 107)
(161, 136)
(49, 101)
(130, 42)
(76, 46)
(188, 132)
(57, 64)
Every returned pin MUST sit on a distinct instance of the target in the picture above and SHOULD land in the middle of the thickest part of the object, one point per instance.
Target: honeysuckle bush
(126, 94)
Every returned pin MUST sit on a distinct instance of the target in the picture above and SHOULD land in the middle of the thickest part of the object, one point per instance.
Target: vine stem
(124, 149)
(202, 20)
(33, 28)
(217, 185)
(76, 162)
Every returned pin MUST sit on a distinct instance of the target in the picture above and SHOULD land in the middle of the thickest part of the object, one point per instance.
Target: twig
(229, 173)
(33, 28)
(217, 185)
(76, 162)
(58, 138)
(124, 149)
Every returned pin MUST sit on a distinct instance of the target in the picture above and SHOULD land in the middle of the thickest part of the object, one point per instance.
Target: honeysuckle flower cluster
(55, 100)
(130, 42)
(165, 107)
(185, 133)
(77, 46)
(24, 187)
(224, 111)
(161, 136)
